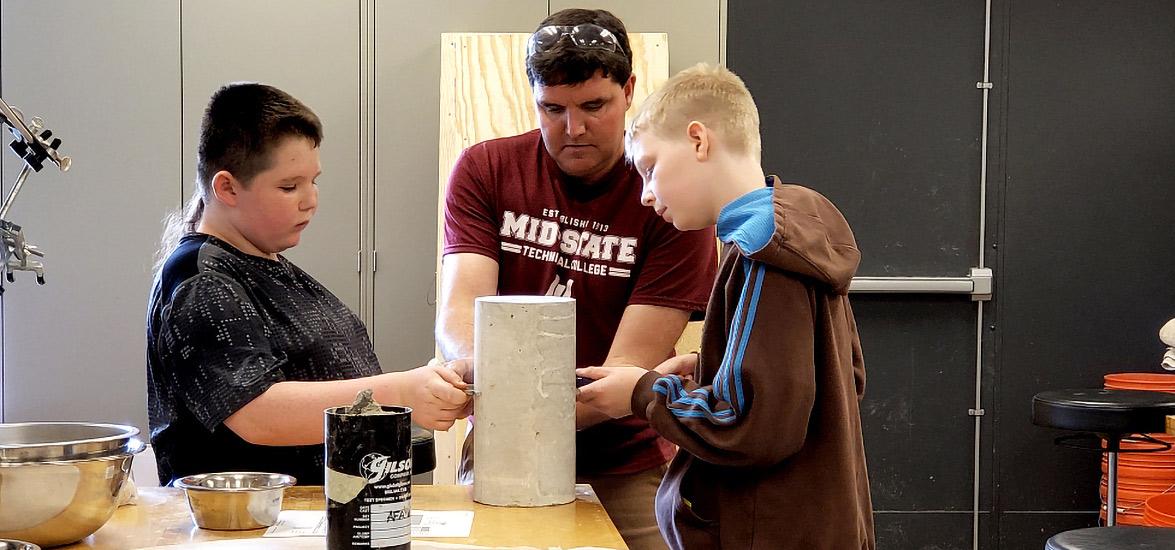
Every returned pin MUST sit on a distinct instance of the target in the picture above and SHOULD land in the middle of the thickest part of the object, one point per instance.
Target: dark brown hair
(566, 63)
(242, 125)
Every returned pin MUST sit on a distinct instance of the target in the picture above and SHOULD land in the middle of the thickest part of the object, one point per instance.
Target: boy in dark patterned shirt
(244, 349)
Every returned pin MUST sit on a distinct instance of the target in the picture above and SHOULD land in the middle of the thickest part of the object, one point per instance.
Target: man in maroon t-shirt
(557, 211)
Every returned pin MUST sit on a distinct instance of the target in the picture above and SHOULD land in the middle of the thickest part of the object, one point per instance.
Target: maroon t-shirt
(552, 235)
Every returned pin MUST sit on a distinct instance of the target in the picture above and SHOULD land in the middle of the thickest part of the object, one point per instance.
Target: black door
(879, 105)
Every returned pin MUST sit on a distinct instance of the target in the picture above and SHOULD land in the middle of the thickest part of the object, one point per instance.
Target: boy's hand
(436, 395)
(611, 393)
(682, 365)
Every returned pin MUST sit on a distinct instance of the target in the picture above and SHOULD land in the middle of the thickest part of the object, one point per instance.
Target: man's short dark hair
(242, 125)
(566, 63)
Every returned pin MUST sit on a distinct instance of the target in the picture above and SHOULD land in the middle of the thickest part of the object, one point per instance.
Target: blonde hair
(710, 94)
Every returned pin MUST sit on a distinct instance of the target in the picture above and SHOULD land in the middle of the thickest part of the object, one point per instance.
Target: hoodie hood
(794, 229)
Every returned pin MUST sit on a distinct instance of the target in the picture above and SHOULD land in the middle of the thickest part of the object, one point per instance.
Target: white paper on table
(298, 523)
(425, 523)
(449, 523)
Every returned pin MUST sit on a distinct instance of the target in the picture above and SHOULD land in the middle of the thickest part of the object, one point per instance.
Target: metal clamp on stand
(34, 145)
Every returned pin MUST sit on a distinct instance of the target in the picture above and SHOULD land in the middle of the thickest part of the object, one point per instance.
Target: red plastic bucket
(1159, 510)
(1151, 381)
(1143, 477)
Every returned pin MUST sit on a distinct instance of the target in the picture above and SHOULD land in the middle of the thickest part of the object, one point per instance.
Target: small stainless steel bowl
(9, 544)
(233, 501)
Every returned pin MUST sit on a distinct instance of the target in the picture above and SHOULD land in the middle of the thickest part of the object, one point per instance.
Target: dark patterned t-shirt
(222, 327)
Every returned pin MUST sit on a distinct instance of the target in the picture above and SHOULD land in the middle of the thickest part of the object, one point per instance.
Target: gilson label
(377, 467)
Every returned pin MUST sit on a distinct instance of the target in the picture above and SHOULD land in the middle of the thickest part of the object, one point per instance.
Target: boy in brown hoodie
(766, 414)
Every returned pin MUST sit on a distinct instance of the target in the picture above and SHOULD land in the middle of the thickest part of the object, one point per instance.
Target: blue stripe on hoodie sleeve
(696, 404)
(693, 404)
(721, 380)
(757, 270)
(748, 221)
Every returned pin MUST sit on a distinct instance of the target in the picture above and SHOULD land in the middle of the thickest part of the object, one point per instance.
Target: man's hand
(463, 367)
(436, 394)
(611, 393)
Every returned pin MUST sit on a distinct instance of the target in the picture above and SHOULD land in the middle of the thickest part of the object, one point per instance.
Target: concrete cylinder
(524, 371)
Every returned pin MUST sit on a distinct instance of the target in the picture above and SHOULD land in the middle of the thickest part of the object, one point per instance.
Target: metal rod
(978, 284)
(985, 86)
(929, 285)
(1112, 490)
(367, 159)
(9, 116)
(20, 179)
(978, 426)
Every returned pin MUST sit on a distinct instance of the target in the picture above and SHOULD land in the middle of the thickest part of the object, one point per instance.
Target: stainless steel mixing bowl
(9, 544)
(59, 480)
(235, 500)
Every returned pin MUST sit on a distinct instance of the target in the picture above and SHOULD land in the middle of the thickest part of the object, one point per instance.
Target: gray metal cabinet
(105, 77)
(124, 83)
(407, 112)
(310, 49)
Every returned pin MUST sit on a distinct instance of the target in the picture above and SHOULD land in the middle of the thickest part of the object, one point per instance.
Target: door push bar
(977, 284)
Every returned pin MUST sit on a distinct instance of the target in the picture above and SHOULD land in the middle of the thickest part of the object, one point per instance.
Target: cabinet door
(407, 136)
(105, 78)
(310, 49)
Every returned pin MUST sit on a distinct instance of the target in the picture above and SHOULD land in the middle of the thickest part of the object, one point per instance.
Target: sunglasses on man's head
(586, 36)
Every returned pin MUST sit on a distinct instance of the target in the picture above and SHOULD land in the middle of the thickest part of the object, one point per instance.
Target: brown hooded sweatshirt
(770, 433)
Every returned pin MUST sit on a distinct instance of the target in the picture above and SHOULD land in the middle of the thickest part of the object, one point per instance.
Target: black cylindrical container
(369, 479)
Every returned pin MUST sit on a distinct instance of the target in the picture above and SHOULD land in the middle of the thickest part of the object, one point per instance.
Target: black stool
(1110, 415)
(1107, 538)
(424, 454)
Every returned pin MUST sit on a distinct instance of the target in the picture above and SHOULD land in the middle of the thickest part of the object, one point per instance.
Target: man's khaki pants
(628, 499)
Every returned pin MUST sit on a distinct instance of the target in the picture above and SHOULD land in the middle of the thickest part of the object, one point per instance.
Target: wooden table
(161, 518)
